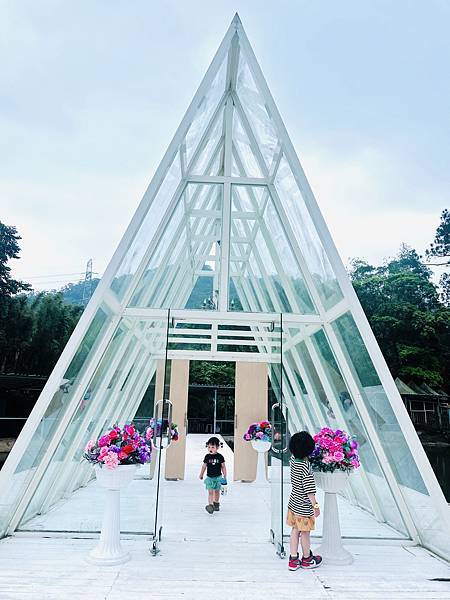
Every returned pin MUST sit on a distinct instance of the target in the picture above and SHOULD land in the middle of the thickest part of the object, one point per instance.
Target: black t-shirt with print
(213, 462)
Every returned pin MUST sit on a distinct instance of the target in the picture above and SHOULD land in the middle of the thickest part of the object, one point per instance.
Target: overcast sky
(92, 91)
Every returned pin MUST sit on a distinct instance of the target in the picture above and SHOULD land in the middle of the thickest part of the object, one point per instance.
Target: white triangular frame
(201, 227)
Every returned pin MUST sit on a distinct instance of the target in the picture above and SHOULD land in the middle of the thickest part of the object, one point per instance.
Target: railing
(10, 427)
(428, 412)
(205, 425)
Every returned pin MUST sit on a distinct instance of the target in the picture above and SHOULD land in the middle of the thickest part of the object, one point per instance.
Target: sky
(91, 93)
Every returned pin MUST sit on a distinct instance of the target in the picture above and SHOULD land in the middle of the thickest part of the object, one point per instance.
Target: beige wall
(176, 452)
(250, 406)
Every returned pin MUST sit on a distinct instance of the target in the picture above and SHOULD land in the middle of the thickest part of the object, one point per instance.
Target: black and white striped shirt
(302, 481)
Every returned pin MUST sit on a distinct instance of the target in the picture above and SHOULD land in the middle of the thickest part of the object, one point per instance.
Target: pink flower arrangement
(334, 450)
(118, 447)
(261, 430)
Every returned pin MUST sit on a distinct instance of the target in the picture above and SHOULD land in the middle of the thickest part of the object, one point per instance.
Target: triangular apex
(193, 214)
(228, 224)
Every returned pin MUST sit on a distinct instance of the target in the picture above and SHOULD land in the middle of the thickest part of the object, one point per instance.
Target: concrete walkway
(225, 554)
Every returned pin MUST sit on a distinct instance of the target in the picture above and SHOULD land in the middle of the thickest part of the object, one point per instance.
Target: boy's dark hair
(214, 442)
(301, 444)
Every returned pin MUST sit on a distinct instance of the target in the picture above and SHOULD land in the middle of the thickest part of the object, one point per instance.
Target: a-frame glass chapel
(228, 257)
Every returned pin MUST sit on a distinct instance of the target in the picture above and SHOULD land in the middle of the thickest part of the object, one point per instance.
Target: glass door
(279, 455)
(161, 425)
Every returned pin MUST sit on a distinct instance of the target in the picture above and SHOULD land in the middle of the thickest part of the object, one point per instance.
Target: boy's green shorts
(213, 483)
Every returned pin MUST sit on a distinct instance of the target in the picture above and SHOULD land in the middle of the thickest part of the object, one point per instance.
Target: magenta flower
(103, 441)
(130, 430)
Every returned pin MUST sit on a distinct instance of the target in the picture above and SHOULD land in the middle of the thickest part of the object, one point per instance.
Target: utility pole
(87, 286)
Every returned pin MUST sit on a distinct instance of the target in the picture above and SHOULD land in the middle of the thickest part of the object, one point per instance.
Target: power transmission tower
(87, 284)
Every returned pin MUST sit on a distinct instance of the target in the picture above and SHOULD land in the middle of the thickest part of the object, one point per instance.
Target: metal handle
(169, 421)
(287, 429)
(272, 423)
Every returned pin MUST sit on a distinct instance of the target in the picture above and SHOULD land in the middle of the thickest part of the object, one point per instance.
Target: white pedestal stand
(331, 549)
(261, 448)
(109, 550)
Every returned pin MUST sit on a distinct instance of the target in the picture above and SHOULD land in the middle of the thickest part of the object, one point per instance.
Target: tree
(410, 323)
(440, 248)
(34, 328)
(73, 292)
(211, 373)
(9, 248)
(441, 245)
(53, 323)
(16, 327)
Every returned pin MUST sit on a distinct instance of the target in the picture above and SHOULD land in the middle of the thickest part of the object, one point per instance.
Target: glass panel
(113, 395)
(349, 419)
(205, 110)
(186, 336)
(206, 161)
(422, 508)
(188, 247)
(263, 253)
(278, 452)
(163, 417)
(300, 400)
(60, 474)
(306, 236)
(378, 405)
(244, 161)
(297, 421)
(256, 112)
(54, 413)
(147, 229)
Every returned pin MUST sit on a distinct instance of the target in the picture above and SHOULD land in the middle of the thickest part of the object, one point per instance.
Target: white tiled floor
(225, 554)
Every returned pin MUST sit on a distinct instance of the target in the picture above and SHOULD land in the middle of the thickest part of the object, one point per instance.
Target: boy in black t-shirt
(214, 465)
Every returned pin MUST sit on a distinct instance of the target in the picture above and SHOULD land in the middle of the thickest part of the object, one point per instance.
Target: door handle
(272, 423)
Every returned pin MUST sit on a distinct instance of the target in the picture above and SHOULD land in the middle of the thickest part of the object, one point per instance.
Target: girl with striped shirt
(302, 507)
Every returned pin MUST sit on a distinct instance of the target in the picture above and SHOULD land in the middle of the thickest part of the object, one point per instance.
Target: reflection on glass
(183, 271)
(147, 229)
(261, 254)
(255, 109)
(205, 110)
(54, 414)
(426, 518)
(113, 394)
(244, 162)
(306, 236)
(209, 161)
(353, 425)
(378, 404)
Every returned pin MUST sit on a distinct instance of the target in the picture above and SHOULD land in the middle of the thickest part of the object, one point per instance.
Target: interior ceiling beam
(209, 316)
